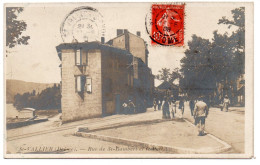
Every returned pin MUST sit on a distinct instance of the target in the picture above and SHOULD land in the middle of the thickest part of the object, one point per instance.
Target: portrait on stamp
(128, 80)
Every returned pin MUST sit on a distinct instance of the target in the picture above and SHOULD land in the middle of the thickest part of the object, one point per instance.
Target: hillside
(14, 87)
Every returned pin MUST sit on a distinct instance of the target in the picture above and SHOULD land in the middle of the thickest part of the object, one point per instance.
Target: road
(228, 126)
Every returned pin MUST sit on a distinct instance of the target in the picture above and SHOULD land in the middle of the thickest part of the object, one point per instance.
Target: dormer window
(81, 57)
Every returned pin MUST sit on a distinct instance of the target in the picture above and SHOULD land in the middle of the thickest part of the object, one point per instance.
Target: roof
(167, 85)
(109, 42)
(91, 45)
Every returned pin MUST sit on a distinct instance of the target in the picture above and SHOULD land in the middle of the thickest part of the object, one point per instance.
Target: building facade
(96, 78)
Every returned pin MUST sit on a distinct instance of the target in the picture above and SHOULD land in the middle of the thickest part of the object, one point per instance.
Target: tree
(49, 98)
(14, 28)
(207, 64)
(231, 51)
(237, 39)
(198, 68)
(164, 74)
(175, 74)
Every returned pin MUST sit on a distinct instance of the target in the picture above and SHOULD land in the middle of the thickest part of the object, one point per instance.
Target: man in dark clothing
(131, 107)
(191, 106)
(155, 103)
(181, 106)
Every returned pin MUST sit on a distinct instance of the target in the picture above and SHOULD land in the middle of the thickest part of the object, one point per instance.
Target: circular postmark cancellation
(165, 24)
(82, 24)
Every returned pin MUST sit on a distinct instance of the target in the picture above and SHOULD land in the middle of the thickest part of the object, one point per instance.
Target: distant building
(236, 94)
(96, 78)
(167, 89)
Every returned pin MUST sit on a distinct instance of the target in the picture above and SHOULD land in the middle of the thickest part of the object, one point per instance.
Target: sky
(39, 62)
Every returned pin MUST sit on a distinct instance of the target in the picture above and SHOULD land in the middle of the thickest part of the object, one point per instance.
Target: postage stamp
(167, 24)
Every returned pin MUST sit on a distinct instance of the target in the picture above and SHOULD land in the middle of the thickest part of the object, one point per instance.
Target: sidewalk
(227, 126)
(150, 131)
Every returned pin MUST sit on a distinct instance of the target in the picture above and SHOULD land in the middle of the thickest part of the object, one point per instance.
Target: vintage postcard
(129, 80)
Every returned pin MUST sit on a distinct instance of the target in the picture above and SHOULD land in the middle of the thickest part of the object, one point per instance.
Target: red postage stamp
(167, 24)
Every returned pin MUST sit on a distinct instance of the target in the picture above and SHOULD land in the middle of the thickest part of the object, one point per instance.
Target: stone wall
(74, 105)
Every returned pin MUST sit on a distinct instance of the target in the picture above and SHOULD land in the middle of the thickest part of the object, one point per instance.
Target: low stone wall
(24, 123)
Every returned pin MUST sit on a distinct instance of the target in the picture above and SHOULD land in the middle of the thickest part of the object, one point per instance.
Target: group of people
(172, 108)
(129, 107)
(169, 107)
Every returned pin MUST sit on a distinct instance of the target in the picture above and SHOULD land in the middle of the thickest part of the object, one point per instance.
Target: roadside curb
(220, 150)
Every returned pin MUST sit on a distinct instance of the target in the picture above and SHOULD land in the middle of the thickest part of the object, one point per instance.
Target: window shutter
(84, 58)
(78, 83)
(89, 85)
(78, 57)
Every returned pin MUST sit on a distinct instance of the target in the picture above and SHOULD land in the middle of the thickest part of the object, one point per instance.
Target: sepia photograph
(129, 80)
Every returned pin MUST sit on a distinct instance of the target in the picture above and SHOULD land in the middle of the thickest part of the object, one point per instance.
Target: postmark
(83, 24)
(165, 24)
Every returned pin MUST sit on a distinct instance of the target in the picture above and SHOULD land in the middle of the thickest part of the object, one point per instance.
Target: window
(80, 83)
(89, 85)
(81, 57)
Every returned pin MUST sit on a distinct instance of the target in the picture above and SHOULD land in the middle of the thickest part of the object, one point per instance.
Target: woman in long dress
(226, 103)
(166, 108)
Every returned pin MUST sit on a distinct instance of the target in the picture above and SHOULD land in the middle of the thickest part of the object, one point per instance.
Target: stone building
(96, 78)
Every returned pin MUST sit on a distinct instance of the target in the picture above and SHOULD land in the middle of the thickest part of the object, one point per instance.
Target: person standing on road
(226, 103)
(154, 104)
(166, 108)
(173, 107)
(200, 114)
(181, 106)
(159, 104)
(192, 104)
(125, 108)
(131, 106)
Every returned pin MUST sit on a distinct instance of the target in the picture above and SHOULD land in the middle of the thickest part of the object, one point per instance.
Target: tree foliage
(165, 74)
(49, 98)
(237, 39)
(197, 67)
(14, 28)
(221, 61)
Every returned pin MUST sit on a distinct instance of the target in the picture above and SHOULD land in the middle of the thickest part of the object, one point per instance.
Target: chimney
(102, 40)
(138, 33)
(119, 32)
